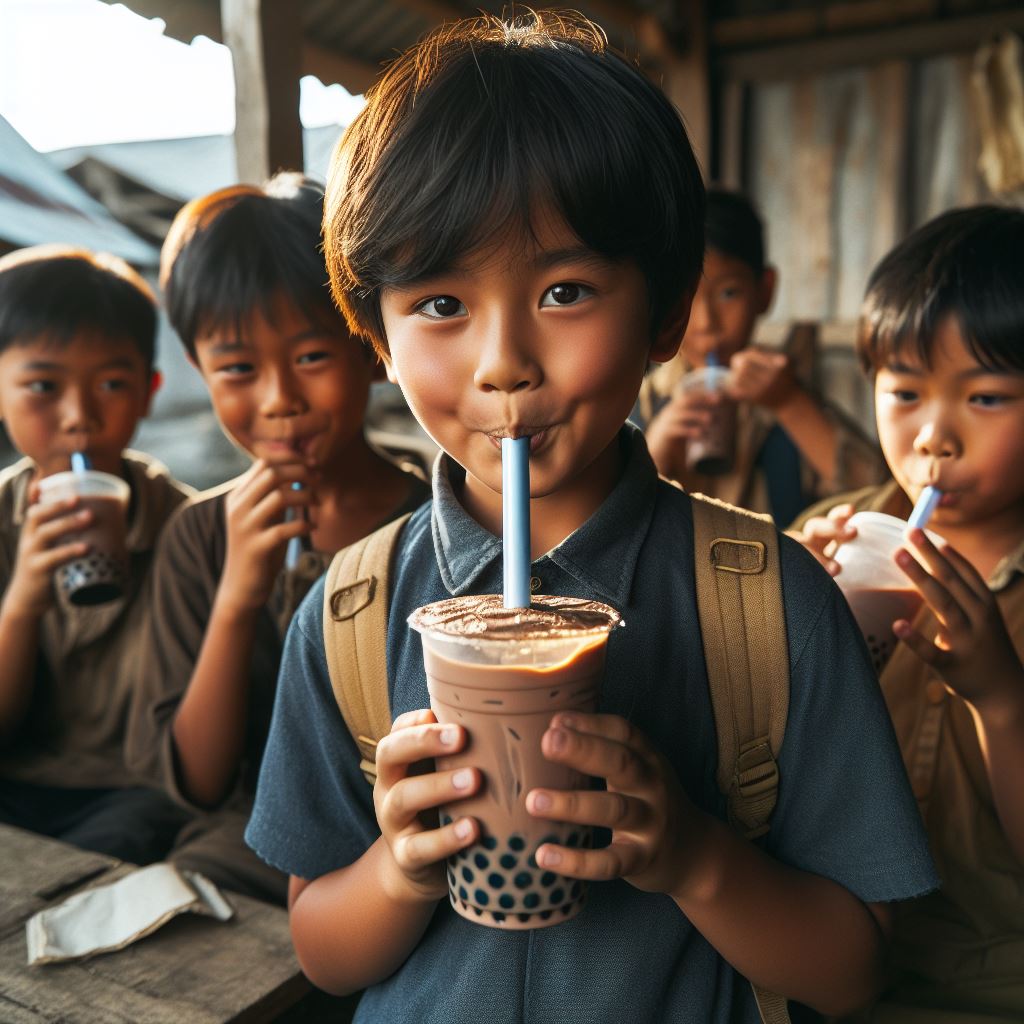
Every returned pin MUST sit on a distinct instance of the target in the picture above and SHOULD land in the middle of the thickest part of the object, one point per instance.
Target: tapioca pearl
(481, 862)
(557, 896)
(548, 879)
(480, 895)
(495, 880)
(489, 842)
(566, 909)
(576, 889)
(477, 911)
(550, 839)
(545, 915)
(445, 820)
(467, 874)
(525, 917)
(573, 840)
(506, 900)
(498, 916)
(508, 862)
(531, 900)
(463, 893)
(532, 860)
(517, 843)
(523, 880)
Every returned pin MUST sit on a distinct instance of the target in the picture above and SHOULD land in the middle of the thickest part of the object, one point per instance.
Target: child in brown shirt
(77, 334)
(247, 290)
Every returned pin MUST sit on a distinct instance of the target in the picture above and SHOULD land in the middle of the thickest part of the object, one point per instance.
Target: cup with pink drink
(501, 665)
(875, 587)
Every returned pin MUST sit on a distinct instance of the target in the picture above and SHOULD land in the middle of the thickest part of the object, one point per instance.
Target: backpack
(739, 593)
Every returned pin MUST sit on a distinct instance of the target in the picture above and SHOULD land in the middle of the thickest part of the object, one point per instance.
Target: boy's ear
(670, 335)
(769, 281)
(156, 379)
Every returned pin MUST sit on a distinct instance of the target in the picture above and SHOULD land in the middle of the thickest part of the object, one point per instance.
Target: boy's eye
(441, 307)
(729, 293)
(41, 387)
(901, 396)
(235, 369)
(565, 294)
(987, 400)
(114, 384)
(307, 358)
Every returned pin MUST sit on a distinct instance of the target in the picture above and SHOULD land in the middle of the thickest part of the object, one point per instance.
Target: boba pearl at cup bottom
(503, 679)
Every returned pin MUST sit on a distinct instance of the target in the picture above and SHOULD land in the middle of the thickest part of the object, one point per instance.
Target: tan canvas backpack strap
(743, 625)
(355, 638)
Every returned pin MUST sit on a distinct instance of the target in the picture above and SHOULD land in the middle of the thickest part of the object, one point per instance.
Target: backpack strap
(743, 626)
(355, 618)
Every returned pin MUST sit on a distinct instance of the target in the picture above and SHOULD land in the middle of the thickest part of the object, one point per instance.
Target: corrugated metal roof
(39, 203)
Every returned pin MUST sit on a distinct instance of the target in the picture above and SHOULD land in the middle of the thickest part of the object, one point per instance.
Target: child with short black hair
(77, 336)
(942, 335)
(247, 290)
(515, 219)
(791, 446)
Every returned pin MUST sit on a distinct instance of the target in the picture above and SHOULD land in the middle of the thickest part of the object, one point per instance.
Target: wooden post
(265, 39)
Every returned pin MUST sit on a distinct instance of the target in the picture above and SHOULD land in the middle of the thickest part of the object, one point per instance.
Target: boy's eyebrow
(226, 346)
(573, 254)
(898, 367)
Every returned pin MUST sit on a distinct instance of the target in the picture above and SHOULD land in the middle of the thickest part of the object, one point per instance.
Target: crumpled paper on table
(113, 916)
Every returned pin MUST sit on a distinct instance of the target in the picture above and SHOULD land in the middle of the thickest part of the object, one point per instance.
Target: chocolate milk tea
(502, 673)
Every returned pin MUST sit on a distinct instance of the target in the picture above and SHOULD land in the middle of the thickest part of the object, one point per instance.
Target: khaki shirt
(74, 733)
(858, 460)
(184, 584)
(962, 946)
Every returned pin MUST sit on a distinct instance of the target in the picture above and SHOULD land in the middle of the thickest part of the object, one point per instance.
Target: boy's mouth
(536, 435)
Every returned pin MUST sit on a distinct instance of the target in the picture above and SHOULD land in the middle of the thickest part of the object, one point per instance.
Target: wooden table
(193, 970)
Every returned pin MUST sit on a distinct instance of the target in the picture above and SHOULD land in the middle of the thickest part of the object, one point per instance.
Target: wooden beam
(732, 125)
(265, 38)
(822, 54)
(329, 66)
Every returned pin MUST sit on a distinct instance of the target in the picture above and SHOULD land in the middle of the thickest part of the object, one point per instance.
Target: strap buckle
(746, 557)
(350, 600)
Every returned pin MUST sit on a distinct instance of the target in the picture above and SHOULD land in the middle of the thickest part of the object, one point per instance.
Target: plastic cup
(877, 590)
(714, 452)
(503, 691)
(101, 574)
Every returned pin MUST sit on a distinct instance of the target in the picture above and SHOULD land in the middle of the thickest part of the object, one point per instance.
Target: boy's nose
(937, 440)
(77, 410)
(280, 397)
(703, 319)
(505, 365)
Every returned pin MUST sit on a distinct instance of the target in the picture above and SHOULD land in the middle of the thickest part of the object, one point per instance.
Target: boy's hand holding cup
(761, 378)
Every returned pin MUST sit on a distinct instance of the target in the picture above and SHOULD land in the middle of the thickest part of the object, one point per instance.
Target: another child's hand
(687, 415)
(972, 652)
(823, 534)
(407, 792)
(761, 378)
(644, 805)
(30, 592)
(258, 532)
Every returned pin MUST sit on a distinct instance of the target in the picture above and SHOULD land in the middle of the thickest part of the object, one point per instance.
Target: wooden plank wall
(842, 165)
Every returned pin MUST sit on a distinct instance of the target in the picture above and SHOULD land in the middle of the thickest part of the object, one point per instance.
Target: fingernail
(542, 802)
(558, 739)
(902, 558)
(463, 778)
(449, 735)
(463, 828)
(567, 720)
(549, 858)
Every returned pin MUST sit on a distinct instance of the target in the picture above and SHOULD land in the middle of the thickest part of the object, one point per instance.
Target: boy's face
(729, 299)
(542, 338)
(956, 425)
(87, 395)
(285, 387)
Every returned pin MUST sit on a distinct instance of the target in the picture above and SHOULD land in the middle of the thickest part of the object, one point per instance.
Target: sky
(82, 72)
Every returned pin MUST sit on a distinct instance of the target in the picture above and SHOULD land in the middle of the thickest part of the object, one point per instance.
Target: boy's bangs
(503, 136)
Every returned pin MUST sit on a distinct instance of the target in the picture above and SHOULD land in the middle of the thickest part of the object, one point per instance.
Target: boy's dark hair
(236, 250)
(733, 227)
(487, 124)
(968, 263)
(55, 292)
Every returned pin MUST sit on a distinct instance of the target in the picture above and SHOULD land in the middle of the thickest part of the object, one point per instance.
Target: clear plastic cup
(504, 693)
(101, 574)
(714, 452)
(875, 587)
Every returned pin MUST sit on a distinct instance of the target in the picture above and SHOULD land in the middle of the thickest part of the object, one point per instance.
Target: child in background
(791, 447)
(77, 337)
(246, 289)
(942, 334)
(517, 272)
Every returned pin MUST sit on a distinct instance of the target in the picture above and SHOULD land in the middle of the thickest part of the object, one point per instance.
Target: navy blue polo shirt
(845, 809)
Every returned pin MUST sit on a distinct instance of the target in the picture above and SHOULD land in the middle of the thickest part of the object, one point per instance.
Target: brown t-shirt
(74, 732)
(964, 943)
(188, 568)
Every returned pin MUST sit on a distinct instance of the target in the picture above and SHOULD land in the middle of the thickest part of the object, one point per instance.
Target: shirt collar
(601, 554)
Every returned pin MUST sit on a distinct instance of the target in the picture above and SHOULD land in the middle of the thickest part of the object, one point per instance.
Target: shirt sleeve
(845, 809)
(314, 809)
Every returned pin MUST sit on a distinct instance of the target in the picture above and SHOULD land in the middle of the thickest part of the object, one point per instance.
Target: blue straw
(296, 545)
(515, 515)
(80, 462)
(924, 508)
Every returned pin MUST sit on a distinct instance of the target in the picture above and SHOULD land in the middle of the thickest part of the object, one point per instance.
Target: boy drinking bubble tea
(517, 265)
(77, 339)
(247, 291)
(791, 447)
(942, 332)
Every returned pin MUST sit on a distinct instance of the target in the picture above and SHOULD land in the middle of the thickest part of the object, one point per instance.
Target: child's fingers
(939, 597)
(414, 794)
(415, 851)
(405, 745)
(619, 860)
(39, 514)
(924, 649)
(421, 716)
(588, 807)
(949, 565)
(48, 561)
(46, 533)
(596, 754)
